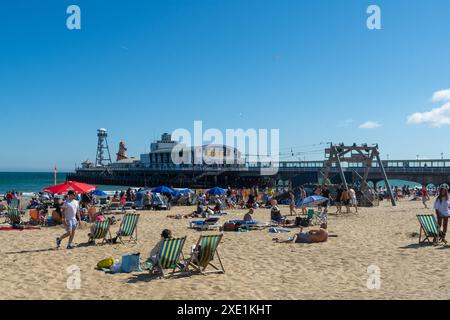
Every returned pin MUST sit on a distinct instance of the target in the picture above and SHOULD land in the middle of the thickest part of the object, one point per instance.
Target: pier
(293, 173)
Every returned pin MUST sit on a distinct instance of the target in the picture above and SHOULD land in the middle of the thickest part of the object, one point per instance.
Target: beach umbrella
(216, 191)
(65, 187)
(184, 191)
(313, 201)
(99, 193)
(163, 189)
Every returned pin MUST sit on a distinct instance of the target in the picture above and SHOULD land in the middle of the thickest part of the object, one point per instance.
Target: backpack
(229, 226)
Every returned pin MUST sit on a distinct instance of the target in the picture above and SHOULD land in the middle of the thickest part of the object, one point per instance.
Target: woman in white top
(442, 206)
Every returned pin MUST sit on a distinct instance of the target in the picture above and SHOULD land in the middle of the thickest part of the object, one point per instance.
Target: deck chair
(13, 216)
(128, 228)
(101, 231)
(429, 228)
(14, 204)
(204, 253)
(169, 256)
(317, 217)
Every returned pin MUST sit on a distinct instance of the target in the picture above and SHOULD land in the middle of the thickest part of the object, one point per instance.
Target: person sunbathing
(248, 216)
(183, 216)
(312, 236)
(154, 253)
(275, 213)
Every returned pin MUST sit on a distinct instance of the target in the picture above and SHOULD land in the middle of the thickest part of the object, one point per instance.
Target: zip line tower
(103, 156)
(356, 154)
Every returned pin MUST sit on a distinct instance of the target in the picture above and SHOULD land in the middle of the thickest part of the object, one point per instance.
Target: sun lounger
(116, 208)
(203, 255)
(101, 231)
(207, 224)
(128, 228)
(429, 228)
(169, 255)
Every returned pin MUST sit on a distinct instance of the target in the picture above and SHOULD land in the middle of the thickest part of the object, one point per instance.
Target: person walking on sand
(442, 206)
(345, 200)
(292, 204)
(425, 196)
(353, 199)
(70, 212)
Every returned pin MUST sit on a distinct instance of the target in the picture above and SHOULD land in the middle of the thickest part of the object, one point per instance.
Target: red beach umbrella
(70, 185)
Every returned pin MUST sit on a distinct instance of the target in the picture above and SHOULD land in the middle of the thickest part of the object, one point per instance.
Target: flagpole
(55, 170)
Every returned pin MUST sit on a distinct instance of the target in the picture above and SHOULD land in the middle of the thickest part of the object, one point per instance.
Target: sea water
(31, 182)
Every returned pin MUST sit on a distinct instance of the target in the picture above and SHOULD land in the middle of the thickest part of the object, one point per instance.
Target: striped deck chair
(429, 228)
(317, 217)
(169, 256)
(101, 231)
(13, 216)
(14, 204)
(128, 228)
(204, 253)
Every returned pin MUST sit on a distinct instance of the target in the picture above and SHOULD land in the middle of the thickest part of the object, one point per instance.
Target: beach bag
(106, 263)
(131, 263)
(229, 226)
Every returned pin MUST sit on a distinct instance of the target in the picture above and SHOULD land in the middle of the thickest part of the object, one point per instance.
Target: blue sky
(141, 68)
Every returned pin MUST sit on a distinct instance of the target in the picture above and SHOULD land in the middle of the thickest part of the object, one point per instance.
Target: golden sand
(256, 267)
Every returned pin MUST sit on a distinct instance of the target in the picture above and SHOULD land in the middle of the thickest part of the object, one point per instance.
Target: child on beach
(70, 212)
(425, 196)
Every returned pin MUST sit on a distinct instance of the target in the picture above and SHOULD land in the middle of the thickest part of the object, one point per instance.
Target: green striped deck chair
(101, 231)
(429, 228)
(128, 228)
(169, 256)
(204, 253)
(14, 204)
(13, 216)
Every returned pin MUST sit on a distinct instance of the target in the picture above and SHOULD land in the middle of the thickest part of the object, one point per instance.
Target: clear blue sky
(140, 68)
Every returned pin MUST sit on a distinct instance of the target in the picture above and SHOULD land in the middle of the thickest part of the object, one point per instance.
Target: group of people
(11, 196)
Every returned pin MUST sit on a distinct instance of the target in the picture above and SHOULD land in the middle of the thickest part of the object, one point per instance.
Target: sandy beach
(256, 267)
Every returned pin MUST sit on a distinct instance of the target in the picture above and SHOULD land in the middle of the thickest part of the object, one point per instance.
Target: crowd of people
(72, 208)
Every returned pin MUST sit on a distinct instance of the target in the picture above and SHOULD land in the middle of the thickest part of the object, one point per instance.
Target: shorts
(303, 238)
(71, 224)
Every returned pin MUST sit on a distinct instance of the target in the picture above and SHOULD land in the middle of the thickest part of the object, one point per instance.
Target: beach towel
(18, 228)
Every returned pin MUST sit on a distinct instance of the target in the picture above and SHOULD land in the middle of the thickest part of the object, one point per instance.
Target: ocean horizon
(32, 182)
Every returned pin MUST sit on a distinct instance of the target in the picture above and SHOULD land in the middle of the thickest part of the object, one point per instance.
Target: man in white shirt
(70, 211)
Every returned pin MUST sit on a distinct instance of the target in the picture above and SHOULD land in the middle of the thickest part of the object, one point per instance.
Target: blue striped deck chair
(429, 228)
(101, 231)
(128, 228)
(13, 216)
(169, 257)
(204, 253)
